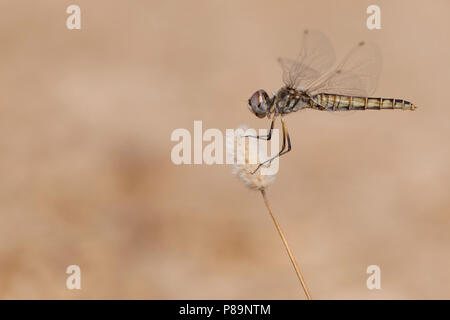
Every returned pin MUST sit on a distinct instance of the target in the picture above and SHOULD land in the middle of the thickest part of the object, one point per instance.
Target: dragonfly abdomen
(335, 102)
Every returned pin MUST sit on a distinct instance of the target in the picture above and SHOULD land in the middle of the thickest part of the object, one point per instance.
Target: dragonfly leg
(283, 147)
(289, 147)
(267, 137)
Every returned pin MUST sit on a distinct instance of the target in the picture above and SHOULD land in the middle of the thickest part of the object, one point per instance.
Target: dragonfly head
(259, 103)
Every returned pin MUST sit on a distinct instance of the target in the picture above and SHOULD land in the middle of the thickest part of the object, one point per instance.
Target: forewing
(356, 75)
(315, 58)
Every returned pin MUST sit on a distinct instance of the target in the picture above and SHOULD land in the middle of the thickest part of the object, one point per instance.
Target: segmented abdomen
(334, 102)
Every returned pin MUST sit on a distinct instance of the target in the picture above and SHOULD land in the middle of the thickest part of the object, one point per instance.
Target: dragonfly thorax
(288, 100)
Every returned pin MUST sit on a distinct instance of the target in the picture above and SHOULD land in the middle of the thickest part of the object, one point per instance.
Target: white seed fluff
(238, 148)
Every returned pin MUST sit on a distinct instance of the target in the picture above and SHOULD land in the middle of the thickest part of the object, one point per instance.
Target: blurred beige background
(86, 175)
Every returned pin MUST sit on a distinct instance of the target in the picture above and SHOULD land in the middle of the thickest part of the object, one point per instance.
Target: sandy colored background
(86, 176)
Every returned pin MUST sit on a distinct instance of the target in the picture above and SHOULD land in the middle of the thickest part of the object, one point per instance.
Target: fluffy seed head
(238, 148)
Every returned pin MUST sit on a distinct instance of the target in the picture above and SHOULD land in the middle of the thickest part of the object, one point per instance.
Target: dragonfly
(310, 82)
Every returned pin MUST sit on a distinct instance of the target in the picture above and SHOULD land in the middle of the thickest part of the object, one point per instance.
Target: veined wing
(315, 58)
(356, 75)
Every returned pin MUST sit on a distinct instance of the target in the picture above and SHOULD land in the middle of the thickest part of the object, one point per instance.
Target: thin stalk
(286, 245)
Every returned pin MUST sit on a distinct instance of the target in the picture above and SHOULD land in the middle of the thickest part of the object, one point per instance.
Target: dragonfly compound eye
(259, 103)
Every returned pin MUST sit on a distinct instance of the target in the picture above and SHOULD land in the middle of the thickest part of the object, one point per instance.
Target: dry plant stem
(291, 256)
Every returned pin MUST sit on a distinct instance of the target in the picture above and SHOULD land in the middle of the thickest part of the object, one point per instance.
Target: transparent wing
(356, 75)
(315, 58)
